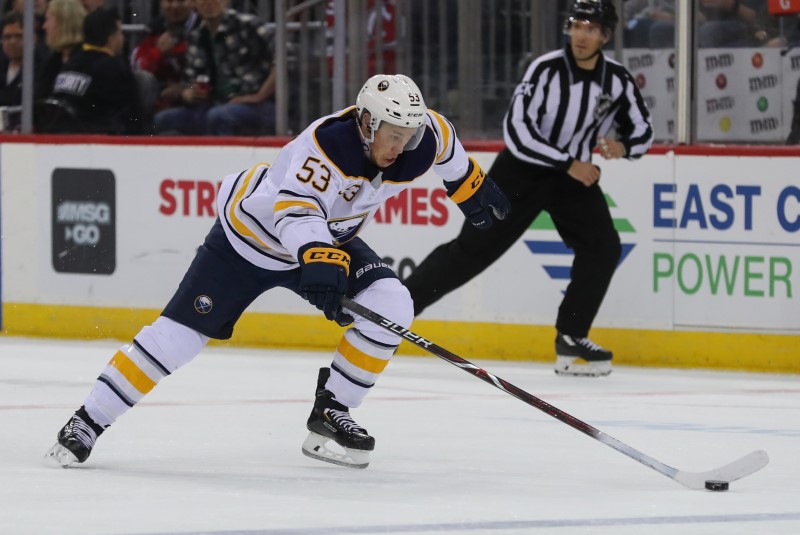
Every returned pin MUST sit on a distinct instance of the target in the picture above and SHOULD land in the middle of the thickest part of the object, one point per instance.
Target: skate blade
(316, 447)
(60, 456)
(577, 367)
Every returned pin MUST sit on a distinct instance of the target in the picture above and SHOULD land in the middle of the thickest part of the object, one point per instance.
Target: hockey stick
(716, 479)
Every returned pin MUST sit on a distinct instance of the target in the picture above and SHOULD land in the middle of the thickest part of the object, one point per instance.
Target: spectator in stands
(732, 23)
(39, 8)
(11, 62)
(229, 79)
(63, 28)
(789, 40)
(649, 23)
(97, 83)
(381, 24)
(162, 53)
(92, 5)
(794, 133)
(789, 35)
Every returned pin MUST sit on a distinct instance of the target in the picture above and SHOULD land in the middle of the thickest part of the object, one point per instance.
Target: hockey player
(295, 224)
(565, 105)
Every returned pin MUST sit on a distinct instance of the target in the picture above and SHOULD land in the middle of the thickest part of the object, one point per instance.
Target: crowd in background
(203, 68)
(720, 24)
(206, 67)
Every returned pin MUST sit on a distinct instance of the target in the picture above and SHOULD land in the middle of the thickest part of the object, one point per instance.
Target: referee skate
(579, 356)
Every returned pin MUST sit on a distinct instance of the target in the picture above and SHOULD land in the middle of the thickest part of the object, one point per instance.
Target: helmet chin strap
(366, 142)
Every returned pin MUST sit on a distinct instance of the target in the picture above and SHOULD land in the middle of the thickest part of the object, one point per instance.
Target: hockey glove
(323, 279)
(478, 197)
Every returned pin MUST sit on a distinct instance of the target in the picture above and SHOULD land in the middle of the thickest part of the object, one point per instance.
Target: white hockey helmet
(394, 99)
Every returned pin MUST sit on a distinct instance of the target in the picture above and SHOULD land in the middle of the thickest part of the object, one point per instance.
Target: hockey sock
(134, 370)
(357, 364)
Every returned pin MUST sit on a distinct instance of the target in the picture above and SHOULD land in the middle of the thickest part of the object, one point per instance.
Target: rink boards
(96, 235)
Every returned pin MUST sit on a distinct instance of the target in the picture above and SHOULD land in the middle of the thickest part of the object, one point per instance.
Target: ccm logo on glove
(478, 197)
(327, 254)
(323, 279)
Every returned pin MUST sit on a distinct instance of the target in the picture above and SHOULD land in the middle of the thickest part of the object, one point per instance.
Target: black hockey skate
(581, 356)
(75, 440)
(330, 420)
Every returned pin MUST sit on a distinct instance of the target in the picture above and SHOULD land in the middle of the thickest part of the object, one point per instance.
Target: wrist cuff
(469, 184)
(328, 255)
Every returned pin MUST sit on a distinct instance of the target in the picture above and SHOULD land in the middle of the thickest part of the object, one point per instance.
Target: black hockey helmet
(601, 11)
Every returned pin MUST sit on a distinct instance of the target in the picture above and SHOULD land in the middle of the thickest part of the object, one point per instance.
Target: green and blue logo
(557, 256)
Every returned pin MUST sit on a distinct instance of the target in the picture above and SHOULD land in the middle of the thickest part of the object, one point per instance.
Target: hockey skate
(331, 421)
(75, 440)
(581, 357)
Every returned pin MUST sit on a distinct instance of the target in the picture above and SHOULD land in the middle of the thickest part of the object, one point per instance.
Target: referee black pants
(581, 217)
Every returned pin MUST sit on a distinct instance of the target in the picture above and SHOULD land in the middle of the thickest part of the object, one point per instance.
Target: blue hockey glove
(323, 279)
(478, 197)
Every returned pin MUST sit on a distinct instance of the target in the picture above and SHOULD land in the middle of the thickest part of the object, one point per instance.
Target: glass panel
(468, 55)
(648, 29)
(746, 77)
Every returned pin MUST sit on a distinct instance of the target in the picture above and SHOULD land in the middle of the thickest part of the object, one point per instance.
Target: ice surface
(215, 449)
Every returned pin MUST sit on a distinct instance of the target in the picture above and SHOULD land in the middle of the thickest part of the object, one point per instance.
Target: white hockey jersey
(322, 188)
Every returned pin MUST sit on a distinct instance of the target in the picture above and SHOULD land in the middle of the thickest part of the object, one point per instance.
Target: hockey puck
(716, 485)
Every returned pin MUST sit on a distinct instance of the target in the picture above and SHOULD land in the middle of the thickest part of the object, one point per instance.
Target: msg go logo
(82, 221)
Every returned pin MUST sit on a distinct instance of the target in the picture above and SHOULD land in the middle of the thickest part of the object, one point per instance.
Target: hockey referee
(567, 103)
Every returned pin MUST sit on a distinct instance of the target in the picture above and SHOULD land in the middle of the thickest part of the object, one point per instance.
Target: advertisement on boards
(526, 284)
(83, 215)
(740, 94)
(727, 237)
(654, 73)
(708, 242)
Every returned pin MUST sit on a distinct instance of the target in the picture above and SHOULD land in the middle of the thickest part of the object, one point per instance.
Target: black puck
(716, 485)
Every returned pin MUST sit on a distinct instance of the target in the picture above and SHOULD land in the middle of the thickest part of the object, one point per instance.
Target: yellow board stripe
(283, 205)
(132, 373)
(741, 351)
(445, 132)
(472, 184)
(359, 359)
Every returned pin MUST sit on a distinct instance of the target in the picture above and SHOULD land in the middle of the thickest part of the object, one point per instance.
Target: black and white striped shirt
(558, 110)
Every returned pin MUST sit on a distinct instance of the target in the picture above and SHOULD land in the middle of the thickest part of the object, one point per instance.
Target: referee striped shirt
(559, 109)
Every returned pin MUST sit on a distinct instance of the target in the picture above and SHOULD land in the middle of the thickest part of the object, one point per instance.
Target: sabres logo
(203, 304)
(383, 85)
(344, 230)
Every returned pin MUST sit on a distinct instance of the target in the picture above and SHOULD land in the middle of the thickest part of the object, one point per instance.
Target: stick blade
(749, 464)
